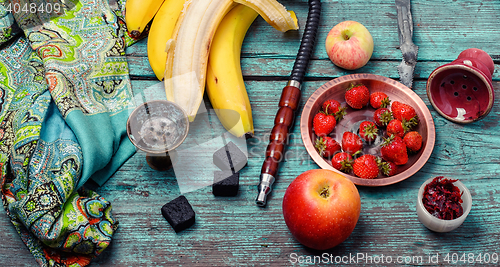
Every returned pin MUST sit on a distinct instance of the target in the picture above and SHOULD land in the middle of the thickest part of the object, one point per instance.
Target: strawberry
(342, 161)
(379, 100)
(413, 141)
(397, 128)
(323, 124)
(394, 150)
(327, 146)
(382, 117)
(332, 106)
(351, 142)
(402, 111)
(366, 167)
(368, 131)
(357, 96)
(387, 168)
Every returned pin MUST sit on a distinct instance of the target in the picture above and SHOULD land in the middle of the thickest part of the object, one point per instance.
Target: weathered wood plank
(442, 29)
(269, 53)
(276, 69)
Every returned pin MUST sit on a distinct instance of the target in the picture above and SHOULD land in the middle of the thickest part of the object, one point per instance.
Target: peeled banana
(225, 86)
(138, 13)
(273, 13)
(185, 80)
(188, 50)
(162, 30)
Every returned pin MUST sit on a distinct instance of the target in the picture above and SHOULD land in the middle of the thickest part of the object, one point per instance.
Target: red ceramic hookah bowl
(462, 91)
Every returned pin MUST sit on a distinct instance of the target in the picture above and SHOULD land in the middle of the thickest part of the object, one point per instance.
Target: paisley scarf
(65, 96)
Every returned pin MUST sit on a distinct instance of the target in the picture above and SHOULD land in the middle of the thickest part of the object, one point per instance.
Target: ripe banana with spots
(187, 58)
(225, 86)
(274, 13)
(160, 32)
(138, 13)
(188, 50)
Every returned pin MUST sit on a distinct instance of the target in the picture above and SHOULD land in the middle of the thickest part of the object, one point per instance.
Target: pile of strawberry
(400, 139)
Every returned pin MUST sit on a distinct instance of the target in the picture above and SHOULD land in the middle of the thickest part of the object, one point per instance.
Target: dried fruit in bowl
(443, 199)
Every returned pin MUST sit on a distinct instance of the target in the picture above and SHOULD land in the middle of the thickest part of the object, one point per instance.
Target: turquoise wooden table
(233, 231)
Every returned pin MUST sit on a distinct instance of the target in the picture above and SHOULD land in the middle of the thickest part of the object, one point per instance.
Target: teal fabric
(65, 96)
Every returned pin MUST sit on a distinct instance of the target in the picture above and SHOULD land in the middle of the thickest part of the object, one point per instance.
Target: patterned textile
(65, 96)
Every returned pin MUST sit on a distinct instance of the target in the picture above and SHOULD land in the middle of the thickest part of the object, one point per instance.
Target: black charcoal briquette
(230, 157)
(179, 213)
(226, 183)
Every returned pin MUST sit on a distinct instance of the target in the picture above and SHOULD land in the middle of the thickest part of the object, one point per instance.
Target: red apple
(321, 208)
(349, 45)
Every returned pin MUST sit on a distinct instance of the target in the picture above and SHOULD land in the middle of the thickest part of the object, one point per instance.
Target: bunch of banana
(138, 14)
(160, 32)
(225, 86)
(180, 43)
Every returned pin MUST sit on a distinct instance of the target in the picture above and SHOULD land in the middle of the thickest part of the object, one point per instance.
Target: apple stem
(346, 35)
(324, 193)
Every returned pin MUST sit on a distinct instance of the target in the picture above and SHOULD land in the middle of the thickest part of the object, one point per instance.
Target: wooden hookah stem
(288, 105)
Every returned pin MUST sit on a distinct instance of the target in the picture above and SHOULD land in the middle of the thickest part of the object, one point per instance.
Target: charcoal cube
(179, 213)
(230, 158)
(226, 183)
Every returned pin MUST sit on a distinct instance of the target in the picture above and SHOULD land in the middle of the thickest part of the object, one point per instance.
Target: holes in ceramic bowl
(459, 90)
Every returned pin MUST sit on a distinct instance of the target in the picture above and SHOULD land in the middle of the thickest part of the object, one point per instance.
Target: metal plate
(397, 92)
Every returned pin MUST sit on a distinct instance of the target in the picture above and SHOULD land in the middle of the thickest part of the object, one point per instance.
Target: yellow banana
(225, 86)
(185, 79)
(161, 31)
(188, 50)
(138, 13)
(273, 13)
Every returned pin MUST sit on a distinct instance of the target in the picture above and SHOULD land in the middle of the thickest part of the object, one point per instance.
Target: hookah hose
(288, 105)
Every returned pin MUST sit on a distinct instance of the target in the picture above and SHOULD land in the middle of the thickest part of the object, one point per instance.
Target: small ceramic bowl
(462, 91)
(439, 225)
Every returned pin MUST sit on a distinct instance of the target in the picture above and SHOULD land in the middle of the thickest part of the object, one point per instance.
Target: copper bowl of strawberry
(372, 129)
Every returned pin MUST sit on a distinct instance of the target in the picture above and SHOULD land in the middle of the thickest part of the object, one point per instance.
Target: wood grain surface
(233, 231)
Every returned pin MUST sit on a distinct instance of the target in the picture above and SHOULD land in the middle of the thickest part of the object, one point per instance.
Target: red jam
(442, 199)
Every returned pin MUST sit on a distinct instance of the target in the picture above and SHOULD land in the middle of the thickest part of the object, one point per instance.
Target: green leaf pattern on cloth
(65, 96)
